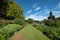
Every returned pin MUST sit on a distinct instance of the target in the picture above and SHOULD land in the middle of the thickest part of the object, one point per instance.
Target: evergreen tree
(51, 16)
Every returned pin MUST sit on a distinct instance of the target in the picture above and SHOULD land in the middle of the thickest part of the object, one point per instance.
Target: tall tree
(15, 10)
(51, 16)
(10, 10)
(3, 7)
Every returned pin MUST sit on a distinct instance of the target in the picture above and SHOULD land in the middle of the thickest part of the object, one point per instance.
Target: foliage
(30, 20)
(3, 8)
(9, 11)
(51, 32)
(49, 22)
(18, 21)
(15, 10)
(51, 27)
(30, 33)
(9, 30)
(52, 21)
(51, 16)
(1, 37)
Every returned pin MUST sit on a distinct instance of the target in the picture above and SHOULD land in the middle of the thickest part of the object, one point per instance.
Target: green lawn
(31, 33)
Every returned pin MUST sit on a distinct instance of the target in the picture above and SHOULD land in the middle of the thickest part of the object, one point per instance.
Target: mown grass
(31, 33)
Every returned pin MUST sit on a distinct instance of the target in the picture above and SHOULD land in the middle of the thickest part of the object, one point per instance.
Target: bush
(49, 23)
(51, 32)
(1, 37)
(30, 21)
(9, 30)
(18, 21)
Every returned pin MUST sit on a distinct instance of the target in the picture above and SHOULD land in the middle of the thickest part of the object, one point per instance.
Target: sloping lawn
(29, 33)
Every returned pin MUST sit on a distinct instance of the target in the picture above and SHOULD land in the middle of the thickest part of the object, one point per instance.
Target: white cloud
(36, 6)
(58, 5)
(46, 11)
(56, 12)
(37, 16)
(40, 15)
(29, 11)
(57, 15)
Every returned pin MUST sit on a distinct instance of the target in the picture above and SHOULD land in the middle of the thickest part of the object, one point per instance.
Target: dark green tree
(15, 10)
(4, 4)
(30, 20)
(10, 10)
(51, 16)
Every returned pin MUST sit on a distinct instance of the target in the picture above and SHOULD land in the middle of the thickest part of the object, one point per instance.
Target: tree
(49, 22)
(30, 20)
(51, 16)
(15, 11)
(4, 4)
(10, 10)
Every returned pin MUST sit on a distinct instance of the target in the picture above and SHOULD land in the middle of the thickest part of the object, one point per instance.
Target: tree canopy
(51, 16)
(10, 10)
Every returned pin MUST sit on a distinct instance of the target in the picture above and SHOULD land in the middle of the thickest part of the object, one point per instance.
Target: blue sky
(39, 9)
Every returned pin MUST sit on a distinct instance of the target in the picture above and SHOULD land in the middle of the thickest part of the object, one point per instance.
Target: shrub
(18, 21)
(1, 37)
(30, 20)
(51, 32)
(9, 30)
